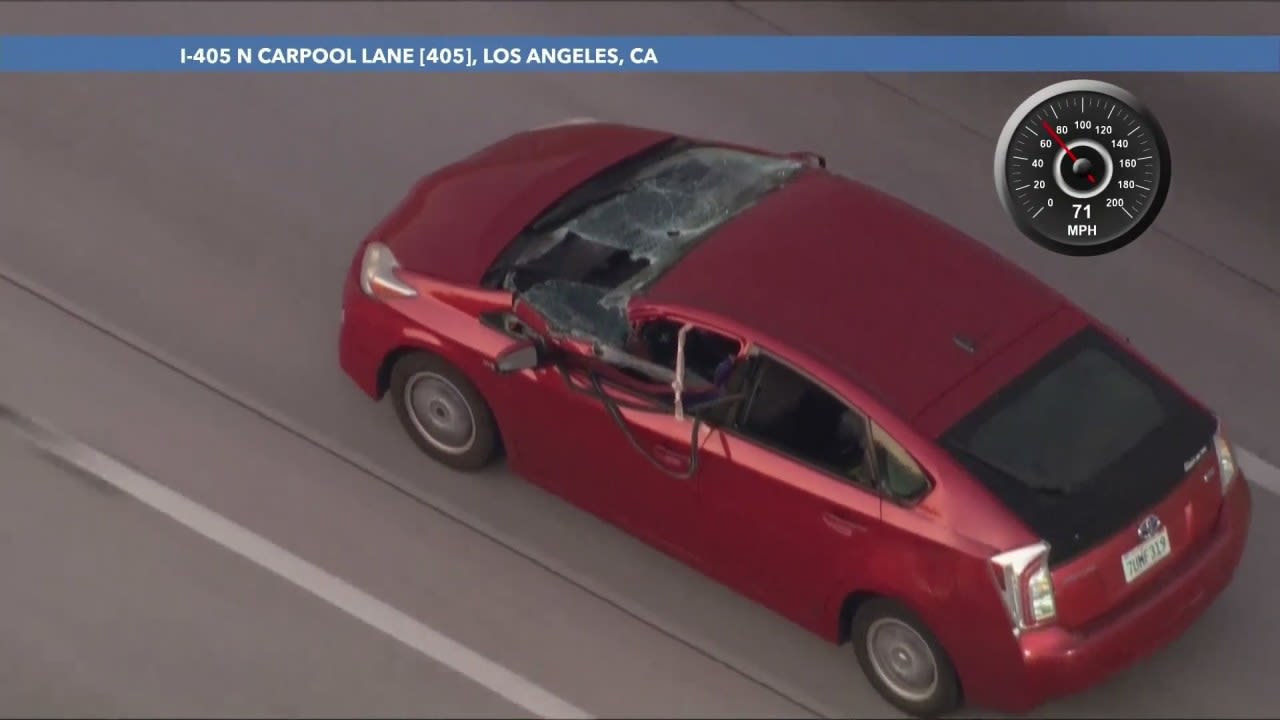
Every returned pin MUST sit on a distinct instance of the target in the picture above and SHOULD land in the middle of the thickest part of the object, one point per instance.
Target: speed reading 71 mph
(1082, 167)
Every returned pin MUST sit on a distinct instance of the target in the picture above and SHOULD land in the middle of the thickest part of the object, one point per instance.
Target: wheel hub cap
(902, 659)
(440, 413)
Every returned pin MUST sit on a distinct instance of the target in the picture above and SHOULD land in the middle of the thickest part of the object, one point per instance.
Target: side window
(649, 357)
(708, 355)
(899, 473)
(796, 417)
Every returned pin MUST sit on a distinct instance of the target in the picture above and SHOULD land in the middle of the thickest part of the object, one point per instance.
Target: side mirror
(525, 355)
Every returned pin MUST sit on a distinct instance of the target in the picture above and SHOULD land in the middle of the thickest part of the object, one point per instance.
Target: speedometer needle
(1049, 129)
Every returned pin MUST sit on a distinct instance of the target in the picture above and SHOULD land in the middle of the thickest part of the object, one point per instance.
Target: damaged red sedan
(810, 391)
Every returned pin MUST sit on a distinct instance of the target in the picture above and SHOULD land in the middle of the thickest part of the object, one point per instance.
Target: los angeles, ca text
(418, 57)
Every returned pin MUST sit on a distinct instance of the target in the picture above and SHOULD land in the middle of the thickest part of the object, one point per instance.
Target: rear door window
(901, 477)
(796, 417)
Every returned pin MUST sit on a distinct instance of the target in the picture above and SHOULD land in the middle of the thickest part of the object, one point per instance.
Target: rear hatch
(1106, 461)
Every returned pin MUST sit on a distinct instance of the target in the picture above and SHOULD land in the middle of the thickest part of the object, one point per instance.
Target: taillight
(1022, 577)
(1227, 468)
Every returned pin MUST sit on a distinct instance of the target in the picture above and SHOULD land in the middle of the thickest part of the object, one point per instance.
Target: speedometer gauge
(1082, 167)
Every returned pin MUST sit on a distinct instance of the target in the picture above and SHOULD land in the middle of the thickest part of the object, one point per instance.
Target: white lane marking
(315, 580)
(748, 666)
(1259, 471)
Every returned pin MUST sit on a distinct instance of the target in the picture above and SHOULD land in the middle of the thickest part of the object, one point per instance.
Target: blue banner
(879, 53)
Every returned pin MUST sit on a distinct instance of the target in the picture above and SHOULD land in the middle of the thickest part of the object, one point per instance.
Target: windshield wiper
(1037, 483)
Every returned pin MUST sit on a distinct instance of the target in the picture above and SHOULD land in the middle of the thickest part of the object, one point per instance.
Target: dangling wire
(614, 408)
(615, 413)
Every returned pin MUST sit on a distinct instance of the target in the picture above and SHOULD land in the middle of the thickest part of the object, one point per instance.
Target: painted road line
(333, 590)
(745, 666)
(1259, 471)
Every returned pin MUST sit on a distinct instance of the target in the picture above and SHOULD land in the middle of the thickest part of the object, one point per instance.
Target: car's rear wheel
(903, 661)
(443, 412)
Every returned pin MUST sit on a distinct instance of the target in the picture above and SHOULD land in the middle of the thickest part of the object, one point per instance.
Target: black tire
(935, 699)
(456, 403)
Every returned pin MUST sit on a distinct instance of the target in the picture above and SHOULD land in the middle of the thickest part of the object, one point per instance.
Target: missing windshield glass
(622, 233)
(1082, 443)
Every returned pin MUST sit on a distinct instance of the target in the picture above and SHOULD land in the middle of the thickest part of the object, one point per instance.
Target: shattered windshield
(579, 309)
(580, 273)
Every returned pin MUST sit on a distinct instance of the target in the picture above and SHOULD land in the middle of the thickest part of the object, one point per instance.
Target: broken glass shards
(579, 310)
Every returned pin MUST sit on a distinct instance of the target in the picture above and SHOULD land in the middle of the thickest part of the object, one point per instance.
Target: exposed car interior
(577, 259)
(605, 240)
(708, 356)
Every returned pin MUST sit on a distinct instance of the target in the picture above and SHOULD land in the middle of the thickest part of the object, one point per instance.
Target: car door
(654, 478)
(557, 438)
(786, 518)
(658, 483)
(609, 444)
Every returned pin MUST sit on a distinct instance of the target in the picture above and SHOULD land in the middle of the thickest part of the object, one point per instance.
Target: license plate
(1142, 558)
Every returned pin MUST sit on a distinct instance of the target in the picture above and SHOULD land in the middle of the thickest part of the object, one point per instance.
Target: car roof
(880, 292)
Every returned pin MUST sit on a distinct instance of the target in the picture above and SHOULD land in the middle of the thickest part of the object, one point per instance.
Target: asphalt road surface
(268, 542)
(112, 609)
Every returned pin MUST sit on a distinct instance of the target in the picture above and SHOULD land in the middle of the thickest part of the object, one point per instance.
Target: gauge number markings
(1083, 128)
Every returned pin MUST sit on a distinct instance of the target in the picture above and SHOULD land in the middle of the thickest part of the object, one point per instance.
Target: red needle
(1049, 129)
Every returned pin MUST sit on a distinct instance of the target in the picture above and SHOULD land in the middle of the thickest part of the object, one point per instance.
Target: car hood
(456, 221)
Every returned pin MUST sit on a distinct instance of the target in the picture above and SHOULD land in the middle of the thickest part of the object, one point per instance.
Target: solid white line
(333, 590)
(748, 666)
(1259, 471)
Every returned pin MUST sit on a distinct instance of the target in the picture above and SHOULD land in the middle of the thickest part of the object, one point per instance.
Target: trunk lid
(1096, 452)
(1095, 582)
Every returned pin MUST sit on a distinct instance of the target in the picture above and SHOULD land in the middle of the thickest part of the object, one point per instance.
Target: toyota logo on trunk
(1149, 527)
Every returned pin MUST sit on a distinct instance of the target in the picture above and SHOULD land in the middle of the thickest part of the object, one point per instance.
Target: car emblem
(1149, 527)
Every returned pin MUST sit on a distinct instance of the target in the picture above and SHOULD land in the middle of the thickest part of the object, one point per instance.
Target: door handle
(841, 524)
(670, 457)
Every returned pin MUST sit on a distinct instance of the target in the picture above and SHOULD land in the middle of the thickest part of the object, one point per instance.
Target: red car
(810, 391)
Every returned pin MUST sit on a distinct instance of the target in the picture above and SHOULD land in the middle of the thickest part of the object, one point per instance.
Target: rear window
(1082, 443)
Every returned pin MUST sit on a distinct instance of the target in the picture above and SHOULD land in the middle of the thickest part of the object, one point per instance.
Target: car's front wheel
(443, 412)
(903, 661)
